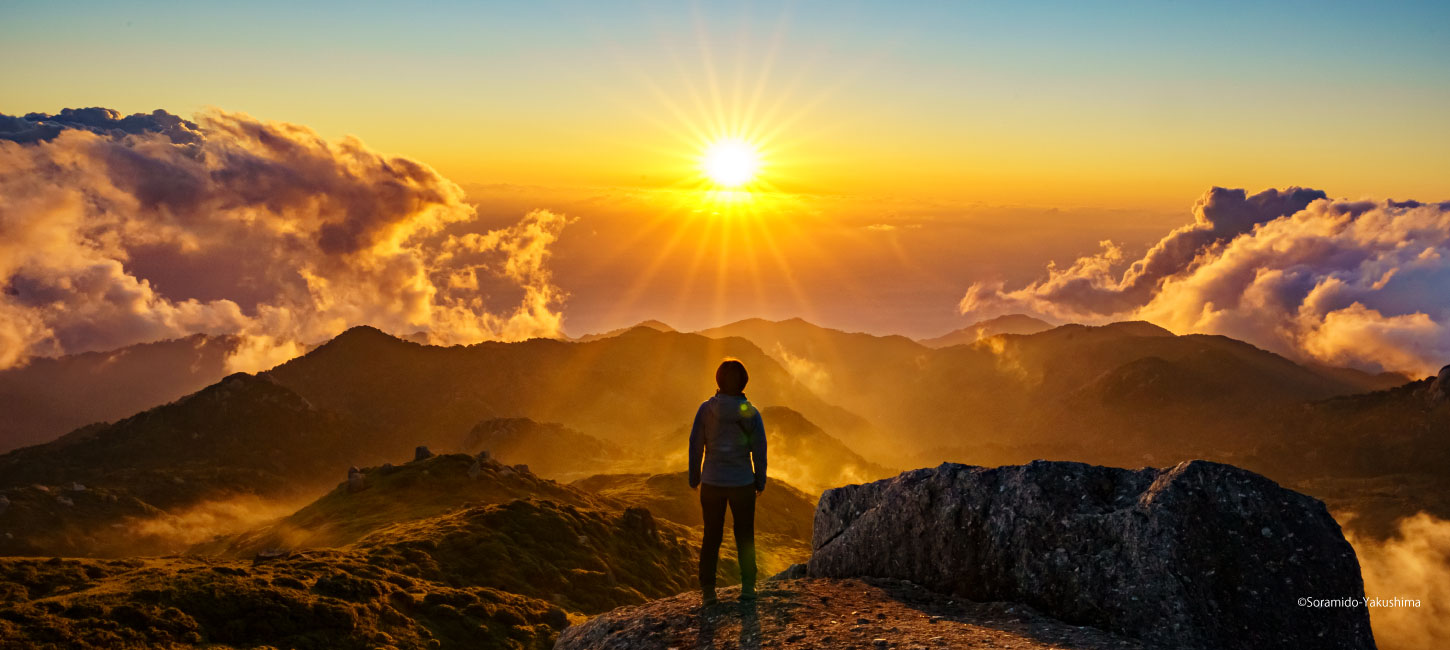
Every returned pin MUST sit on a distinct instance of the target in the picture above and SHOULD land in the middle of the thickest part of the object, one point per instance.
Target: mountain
(51, 396)
(1010, 397)
(485, 576)
(250, 447)
(655, 325)
(243, 437)
(1008, 324)
(853, 368)
(286, 435)
(549, 449)
(622, 389)
(1375, 458)
(443, 551)
(392, 494)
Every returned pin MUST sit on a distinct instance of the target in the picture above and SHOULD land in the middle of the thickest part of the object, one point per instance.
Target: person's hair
(731, 376)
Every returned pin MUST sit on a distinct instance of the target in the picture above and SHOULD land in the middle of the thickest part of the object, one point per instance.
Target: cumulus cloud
(116, 230)
(1355, 283)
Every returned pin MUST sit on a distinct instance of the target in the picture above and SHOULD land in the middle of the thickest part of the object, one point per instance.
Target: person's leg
(742, 510)
(712, 509)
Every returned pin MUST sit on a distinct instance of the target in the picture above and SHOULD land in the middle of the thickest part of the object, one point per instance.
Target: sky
(911, 151)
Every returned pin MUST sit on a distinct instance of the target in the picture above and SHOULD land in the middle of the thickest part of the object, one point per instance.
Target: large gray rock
(1201, 555)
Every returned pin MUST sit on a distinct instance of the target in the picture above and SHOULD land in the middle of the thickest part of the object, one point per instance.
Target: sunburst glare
(731, 163)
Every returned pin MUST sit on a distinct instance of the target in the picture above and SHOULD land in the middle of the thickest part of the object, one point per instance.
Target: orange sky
(909, 151)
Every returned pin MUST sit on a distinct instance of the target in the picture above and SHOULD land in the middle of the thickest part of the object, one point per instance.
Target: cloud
(1354, 283)
(1414, 564)
(39, 127)
(118, 230)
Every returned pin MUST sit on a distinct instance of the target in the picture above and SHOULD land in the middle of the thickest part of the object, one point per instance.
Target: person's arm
(757, 451)
(697, 446)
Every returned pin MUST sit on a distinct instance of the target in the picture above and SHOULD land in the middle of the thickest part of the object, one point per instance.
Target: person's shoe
(707, 596)
(747, 592)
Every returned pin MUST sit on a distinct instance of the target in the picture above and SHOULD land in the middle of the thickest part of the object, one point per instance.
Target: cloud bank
(1412, 564)
(1353, 283)
(118, 230)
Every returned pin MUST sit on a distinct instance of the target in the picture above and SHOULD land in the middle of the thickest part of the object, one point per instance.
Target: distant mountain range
(658, 326)
(51, 396)
(840, 407)
(1009, 324)
(292, 482)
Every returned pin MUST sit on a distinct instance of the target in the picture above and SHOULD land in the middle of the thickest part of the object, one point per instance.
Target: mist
(1413, 563)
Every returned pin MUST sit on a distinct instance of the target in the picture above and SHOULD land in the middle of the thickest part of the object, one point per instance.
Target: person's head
(731, 377)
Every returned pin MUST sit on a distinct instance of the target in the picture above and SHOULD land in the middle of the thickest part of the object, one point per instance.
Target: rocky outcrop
(356, 482)
(1440, 388)
(1200, 555)
(422, 453)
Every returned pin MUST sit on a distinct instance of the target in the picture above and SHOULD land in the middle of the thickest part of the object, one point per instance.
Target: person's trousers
(741, 500)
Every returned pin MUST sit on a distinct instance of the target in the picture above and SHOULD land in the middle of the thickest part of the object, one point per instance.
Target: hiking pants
(741, 500)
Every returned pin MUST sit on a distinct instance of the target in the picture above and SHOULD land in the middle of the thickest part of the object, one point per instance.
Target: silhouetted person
(730, 436)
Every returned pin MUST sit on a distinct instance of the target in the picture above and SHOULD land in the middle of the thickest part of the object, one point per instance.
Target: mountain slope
(51, 396)
(621, 389)
(391, 494)
(243, 437)
(1010, 397)
(658, 326)
(549, 449)
(1008, 324)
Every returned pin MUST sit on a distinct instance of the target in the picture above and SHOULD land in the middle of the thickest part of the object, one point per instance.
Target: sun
(730, 163)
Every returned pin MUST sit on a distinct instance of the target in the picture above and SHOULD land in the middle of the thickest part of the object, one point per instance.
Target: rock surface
(356, 482)
(1440, 388)
(1200, 555)
(824, 613)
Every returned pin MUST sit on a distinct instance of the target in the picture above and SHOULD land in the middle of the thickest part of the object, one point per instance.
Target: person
(729, 437)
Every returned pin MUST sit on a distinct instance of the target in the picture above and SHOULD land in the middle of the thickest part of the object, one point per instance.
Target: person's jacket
(729, 436)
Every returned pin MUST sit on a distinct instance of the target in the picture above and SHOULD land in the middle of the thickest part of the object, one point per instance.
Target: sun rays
(734, 219)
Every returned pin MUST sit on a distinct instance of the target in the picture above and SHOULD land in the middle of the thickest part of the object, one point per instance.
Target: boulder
(1200, 555)
(484, 456)
(1440, 388)
(792, 572)
(422, 453)
(356, 482)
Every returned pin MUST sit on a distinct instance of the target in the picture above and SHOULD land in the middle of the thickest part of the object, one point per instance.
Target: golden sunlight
(730, 163)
